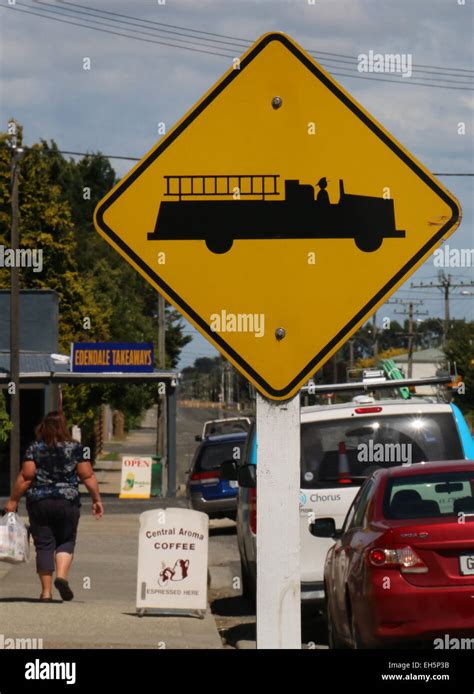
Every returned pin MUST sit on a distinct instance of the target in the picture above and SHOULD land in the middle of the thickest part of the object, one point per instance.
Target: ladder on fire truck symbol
(258, 185)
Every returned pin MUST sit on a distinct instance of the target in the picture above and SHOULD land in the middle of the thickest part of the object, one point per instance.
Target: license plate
(466, 564)
(233, 484)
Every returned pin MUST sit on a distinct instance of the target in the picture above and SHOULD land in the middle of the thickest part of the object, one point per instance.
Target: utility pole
(222, 394)
(375, 337)
(230, 389)
(410, 334)
(351, 354)
(161, 358)
(17, 154)
(445, 284)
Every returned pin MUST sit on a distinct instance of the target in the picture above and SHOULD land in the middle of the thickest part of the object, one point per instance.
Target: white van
(340, 447)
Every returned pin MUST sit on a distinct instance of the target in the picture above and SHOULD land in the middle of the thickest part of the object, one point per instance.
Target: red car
(402, 567)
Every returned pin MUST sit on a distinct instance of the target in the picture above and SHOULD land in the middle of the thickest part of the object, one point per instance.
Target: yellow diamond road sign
(277, 216)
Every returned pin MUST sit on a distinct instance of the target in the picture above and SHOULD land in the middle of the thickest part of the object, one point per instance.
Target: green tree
(459, 349)
(5, 424)
(46, 223)
(57, 200)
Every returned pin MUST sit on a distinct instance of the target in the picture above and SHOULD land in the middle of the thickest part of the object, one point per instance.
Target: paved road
(103, 613)
(235, 617)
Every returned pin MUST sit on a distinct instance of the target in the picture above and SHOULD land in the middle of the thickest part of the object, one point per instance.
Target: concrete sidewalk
(102, 614)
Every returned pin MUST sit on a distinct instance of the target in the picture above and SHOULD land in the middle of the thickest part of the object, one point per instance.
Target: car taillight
(253, 510)
(377, 557)
(403, 558)
(210, 476)
(367, 410)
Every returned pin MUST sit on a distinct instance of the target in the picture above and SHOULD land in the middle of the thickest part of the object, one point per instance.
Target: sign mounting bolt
(280, 333)
(277, 101)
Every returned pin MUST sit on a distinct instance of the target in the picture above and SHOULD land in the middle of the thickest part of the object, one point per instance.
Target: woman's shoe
(64, 590)
(42, 599)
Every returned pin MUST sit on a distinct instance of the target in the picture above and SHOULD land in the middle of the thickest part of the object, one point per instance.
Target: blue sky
(133, 85)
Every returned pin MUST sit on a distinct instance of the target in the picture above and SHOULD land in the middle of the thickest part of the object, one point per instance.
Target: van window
(346, 451)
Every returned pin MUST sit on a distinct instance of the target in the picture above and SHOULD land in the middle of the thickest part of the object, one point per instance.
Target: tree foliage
(459, 350)
(57, 199)
(46, 223)
(5, 423)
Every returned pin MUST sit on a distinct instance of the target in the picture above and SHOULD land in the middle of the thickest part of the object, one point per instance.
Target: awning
(36, 367)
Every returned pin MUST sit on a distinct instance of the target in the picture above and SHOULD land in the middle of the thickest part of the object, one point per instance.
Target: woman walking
(50, 473)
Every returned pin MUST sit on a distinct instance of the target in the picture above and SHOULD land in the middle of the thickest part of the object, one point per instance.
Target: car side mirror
(228, 471)
(198, 437)
(247, 476)
(323, 527)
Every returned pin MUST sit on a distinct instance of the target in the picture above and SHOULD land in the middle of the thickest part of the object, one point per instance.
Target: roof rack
(313, 388)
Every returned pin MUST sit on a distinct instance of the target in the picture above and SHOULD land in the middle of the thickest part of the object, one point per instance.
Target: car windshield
(430, 496)
(213, 455)
(230, 427)
(345, 451)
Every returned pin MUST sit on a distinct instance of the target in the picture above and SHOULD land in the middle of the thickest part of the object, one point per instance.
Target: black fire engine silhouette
(219, 222)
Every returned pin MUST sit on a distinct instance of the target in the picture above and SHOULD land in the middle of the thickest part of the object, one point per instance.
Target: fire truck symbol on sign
(219, 222)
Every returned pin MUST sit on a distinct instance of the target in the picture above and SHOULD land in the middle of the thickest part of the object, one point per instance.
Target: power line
(61, 11)
(87, 154)
(227, 43)
(118, 156)
(150, 21)
(61, 19)
(241, 40)
(433, 79)
(143, 21)
(108, 31)
(410, 334)
(445, 284)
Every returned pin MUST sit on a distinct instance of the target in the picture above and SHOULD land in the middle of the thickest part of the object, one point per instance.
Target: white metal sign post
(278, 524)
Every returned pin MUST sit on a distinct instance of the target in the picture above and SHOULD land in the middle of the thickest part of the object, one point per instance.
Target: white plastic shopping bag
(14, 539)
